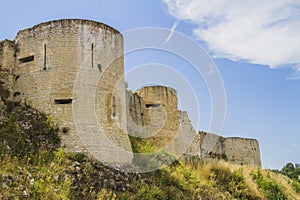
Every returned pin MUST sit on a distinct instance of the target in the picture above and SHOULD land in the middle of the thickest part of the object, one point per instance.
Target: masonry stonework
(53, 58)
(154, 110)
(73, 70)
(7, 63)
(161, 122)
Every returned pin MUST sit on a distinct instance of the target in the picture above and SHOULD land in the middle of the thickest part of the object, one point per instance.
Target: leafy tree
(291, 171)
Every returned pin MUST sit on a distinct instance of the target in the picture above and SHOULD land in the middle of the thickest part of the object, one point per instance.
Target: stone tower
(73, 69)
(161, 122)
(153, 114)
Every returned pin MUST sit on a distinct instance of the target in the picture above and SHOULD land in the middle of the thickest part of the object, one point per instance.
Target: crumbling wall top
(163, 95)
(65, 22)
(239, 138)
(157, 88)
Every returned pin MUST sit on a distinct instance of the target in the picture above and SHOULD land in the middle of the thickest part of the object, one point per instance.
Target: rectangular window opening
(152, 105)
(27, 59)
(62, 101)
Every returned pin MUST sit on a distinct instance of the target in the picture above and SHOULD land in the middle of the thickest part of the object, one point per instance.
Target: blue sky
(254, 45)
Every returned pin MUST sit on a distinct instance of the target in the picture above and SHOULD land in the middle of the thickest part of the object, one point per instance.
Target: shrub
(268, 186)
(150, 192)
(231, 182)
(140, 146)
(76, 156)
(296, 186)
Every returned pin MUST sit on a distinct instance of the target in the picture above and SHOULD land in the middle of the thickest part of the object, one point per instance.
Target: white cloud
(294, 145)
(261, 32)
(171, 32)
(296, 74)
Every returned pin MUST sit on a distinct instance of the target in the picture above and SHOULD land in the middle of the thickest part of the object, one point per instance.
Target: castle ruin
(73, 70)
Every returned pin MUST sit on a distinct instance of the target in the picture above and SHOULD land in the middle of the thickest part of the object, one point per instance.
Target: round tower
(160, 114)
(73, 70)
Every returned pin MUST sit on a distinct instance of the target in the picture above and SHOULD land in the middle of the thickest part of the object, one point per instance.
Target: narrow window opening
(17, 77)
(152, 105)
(45, 56)
(142, 117)
(26, 59)
(62, 101)
(114, 106)
(99, 67)
(92, 56)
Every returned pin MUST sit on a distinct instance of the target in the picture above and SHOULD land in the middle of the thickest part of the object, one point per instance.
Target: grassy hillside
(33, 166)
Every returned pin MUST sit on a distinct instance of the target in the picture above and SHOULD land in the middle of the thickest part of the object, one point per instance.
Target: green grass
(269, 188)
(296, 186)
(33, 166)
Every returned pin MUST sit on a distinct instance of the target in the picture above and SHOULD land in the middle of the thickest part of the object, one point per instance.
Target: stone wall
(156, 118)
(153, 114)
(7, 63)
(73, 70)
(161, 122)
(153, 108)
(208, 147)
(135, 115)
(243, 151)
(185, 136)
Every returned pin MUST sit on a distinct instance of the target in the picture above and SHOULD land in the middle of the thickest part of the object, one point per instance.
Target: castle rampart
(53, 58)
(73, 70)
(154, 109)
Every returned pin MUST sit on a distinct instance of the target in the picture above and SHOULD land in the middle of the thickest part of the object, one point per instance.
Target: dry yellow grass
(204, 172)
(249, 181)
(285, 183)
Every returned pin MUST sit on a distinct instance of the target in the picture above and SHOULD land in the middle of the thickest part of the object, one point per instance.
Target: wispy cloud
(260, 32)
(171, 32)
(296, 74)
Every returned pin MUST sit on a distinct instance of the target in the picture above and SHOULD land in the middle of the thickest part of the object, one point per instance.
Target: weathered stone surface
(160, 114)
(74, 70)
(7, 63)
(152, 113)
(242, 151)
(208, 147)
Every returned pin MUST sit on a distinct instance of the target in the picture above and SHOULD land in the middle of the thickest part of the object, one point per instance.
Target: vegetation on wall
(25, 132)
(34, 166)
